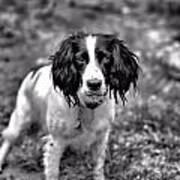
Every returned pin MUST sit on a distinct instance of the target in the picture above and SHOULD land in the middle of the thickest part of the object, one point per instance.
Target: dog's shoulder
(37, 82)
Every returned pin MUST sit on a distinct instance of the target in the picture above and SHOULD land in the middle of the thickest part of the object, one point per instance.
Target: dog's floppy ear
(65, 75)
(124, 71)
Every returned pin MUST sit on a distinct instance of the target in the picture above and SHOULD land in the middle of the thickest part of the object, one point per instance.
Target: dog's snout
(94, 84)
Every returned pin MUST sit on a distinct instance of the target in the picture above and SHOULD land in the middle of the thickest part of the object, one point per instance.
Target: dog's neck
(85, 117)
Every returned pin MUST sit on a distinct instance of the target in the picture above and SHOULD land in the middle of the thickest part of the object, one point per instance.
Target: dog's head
(87, 67)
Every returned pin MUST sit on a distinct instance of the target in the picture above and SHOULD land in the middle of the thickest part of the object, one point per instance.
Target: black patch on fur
(119, 65)
(68, 64)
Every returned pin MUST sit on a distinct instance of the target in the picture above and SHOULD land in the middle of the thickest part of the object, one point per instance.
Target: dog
(74, 98)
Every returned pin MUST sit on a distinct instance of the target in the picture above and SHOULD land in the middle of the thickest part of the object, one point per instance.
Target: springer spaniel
(74, 98)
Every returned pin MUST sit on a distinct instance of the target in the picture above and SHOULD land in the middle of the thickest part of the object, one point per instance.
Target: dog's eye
(102, 56)
(81, 60)
(82, 57)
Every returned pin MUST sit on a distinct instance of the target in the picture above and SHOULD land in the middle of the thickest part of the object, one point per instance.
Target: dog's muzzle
(94, 84)
(92, 100)
(95, 95)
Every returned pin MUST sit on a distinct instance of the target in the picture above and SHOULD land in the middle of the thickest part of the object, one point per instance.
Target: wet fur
(120, 71)
(50, 95)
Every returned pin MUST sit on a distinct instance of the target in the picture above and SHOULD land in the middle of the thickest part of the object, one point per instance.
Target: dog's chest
(84, 141)
(89, 127)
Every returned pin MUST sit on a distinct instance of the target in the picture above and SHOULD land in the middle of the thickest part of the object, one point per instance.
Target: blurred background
(145, 141)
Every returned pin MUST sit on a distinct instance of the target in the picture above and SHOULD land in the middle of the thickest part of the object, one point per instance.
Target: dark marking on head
(68, 64)
(119, 65)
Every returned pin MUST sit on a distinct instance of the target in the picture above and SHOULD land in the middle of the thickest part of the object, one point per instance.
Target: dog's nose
(94, 84)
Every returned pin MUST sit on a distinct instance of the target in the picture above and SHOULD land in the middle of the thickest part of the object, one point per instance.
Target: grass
(145, 139)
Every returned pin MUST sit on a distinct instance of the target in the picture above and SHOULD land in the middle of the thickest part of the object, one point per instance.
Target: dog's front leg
(54, 149)
(99, 155)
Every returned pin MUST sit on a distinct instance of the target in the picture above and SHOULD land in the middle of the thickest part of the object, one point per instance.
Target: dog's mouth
(96, 93)
(93, 99)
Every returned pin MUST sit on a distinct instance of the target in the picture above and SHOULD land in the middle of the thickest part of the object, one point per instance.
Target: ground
(145, 140)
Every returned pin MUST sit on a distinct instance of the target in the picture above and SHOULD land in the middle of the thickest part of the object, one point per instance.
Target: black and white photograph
(89, 90)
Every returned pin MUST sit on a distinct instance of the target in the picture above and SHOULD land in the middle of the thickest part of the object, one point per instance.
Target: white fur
(91, 45)
(37, 100)
(92, 70)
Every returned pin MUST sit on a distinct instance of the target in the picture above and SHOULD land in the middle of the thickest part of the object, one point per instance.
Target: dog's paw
(99, 176)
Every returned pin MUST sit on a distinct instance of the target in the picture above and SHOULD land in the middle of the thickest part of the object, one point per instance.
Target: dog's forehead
(103, 41)
(94, 41)
(81, 43)
(91, 43)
